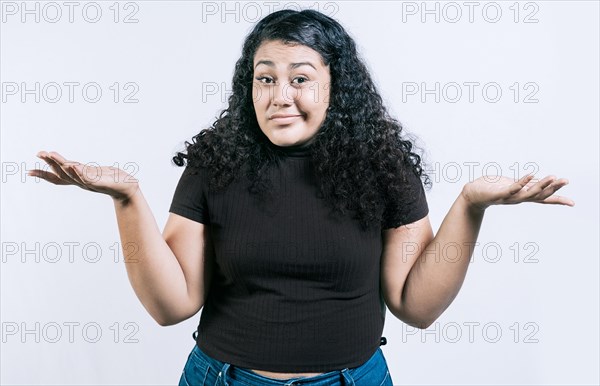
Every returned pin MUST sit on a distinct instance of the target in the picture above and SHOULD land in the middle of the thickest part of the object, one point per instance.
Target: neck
(301, 150)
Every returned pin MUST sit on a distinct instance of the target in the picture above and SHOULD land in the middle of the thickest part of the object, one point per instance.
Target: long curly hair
(360, 155)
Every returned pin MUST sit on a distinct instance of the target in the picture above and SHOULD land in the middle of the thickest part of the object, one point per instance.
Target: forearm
(438, 273)
(153, 270)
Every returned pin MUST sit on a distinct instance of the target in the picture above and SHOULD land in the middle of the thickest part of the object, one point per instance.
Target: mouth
(284, 118)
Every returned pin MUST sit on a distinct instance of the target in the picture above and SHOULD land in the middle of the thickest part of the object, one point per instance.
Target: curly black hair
(360, 155)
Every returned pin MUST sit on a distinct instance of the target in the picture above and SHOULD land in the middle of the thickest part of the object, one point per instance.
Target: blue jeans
(202, 370)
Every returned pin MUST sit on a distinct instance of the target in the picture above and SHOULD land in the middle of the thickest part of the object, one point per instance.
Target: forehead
(277, 51)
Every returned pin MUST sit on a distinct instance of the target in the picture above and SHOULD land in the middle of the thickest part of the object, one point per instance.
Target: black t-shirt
(294, 289)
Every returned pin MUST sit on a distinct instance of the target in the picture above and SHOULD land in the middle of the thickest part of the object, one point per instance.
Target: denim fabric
(202, 370)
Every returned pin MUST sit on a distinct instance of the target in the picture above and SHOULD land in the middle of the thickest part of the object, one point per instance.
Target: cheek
(317, 97)
(310, 99)
(325, 94)
(258, 97)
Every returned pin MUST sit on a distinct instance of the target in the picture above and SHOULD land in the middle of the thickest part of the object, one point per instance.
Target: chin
(285, 143)
(287, 135)
(284, 140)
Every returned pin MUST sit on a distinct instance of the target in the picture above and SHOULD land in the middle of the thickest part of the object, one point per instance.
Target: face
(290, 92)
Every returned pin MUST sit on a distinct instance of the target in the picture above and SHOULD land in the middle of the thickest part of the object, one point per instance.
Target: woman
(296, 219)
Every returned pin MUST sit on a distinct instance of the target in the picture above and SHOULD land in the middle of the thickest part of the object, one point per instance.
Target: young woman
(291, 223)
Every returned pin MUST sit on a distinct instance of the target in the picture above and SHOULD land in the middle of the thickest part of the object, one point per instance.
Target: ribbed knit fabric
(294, 289)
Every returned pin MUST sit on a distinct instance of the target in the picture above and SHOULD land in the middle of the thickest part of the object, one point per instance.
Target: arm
(432, 277)
(420, 277)
(170, 272)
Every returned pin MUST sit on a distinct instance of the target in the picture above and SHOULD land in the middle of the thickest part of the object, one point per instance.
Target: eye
(301, 79)
(264, 79)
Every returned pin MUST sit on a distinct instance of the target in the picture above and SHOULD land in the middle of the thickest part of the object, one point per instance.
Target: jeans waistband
(343, 377)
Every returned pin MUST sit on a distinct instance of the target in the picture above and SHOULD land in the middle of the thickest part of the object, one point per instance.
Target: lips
(282, 116)
(284, 119)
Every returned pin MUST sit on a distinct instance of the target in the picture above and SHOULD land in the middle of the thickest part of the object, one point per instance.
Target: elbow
(425, 321)
(417, 321)
(162, 317)
(422, 324)
(164, 321)
(170, 319)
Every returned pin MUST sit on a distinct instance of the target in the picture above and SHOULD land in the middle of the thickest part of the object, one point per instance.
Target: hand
(103, 179)
(495, 190)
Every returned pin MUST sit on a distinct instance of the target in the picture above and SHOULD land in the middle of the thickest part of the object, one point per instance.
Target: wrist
(471, 204)
(128, 197)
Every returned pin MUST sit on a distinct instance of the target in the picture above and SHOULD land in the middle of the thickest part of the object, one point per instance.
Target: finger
(530, 184)
(50, 177)
(59, 159)
(75, 172)
(519, 184)
(61, 166)
(560, 200)
(536, 189)
(79, 173)
(59, 173)
(547, 196)
(552, 188)
(55, 166)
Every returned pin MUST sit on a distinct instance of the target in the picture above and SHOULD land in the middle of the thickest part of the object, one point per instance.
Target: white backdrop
(488, 87)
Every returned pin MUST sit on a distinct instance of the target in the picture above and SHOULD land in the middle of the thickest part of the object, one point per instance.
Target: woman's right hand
(101, 179)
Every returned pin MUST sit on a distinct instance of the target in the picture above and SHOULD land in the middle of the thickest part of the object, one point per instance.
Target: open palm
(101, 179)
(497, 190)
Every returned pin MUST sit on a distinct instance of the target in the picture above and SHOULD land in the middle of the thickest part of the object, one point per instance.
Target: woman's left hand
(496, 190)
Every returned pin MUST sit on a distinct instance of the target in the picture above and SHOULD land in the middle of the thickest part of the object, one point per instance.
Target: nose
(283, 94)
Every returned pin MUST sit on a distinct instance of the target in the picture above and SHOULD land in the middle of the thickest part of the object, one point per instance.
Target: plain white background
(528, 310)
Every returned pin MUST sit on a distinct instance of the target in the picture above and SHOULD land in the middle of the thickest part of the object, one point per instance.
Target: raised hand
(499, 190)
(101, 179)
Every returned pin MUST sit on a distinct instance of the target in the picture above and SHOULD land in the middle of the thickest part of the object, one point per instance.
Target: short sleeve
(190, 197)
(414, 208)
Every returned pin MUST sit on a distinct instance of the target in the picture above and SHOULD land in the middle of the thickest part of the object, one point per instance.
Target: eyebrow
(291, 66)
